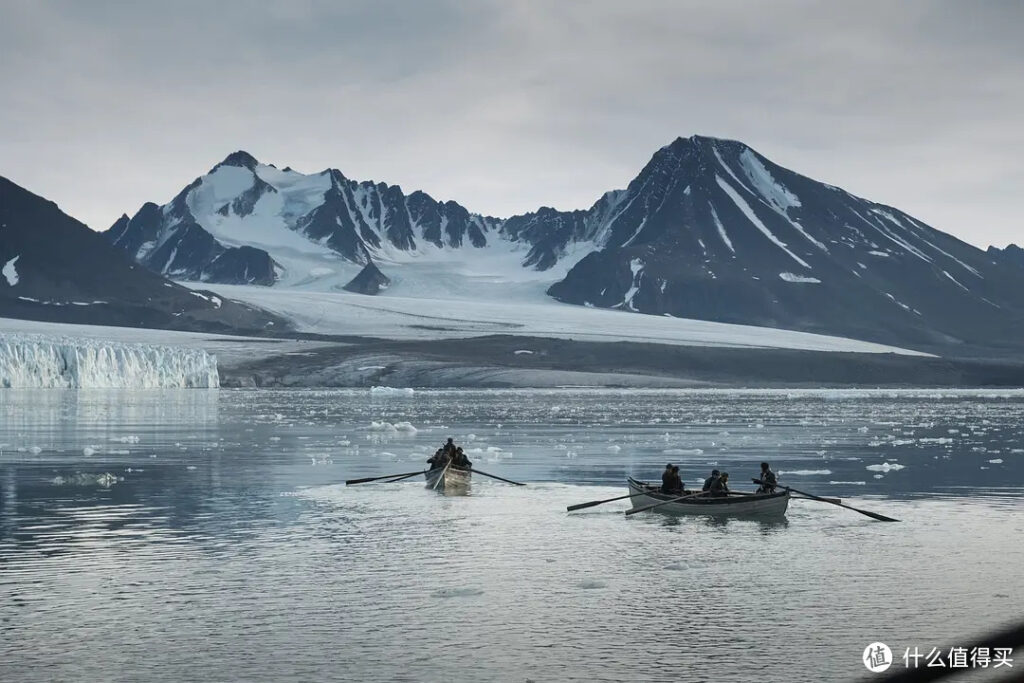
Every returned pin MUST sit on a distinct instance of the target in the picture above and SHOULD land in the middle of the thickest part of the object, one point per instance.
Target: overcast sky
(506, 106)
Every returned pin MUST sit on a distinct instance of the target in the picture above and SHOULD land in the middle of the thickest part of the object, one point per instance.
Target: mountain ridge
(708, 229)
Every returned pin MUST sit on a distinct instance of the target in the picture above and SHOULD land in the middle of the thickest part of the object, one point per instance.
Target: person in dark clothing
(439, 459)
(460, 459)
(666, 479)
(710, 480)
(720, 486)
(677, 481)
(449, 447)
(768, 479)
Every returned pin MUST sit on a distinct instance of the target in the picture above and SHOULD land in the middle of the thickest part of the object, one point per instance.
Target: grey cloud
(506, 106)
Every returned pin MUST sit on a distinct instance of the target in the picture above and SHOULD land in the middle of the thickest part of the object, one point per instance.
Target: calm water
(201, 535)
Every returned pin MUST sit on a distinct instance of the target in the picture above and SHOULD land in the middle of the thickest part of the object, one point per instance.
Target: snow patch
(10, 272)
(742, 205)
(792, 277)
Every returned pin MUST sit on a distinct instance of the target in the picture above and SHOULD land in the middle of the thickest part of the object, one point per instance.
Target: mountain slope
(709, 229)
(712, 230)
(57, 269)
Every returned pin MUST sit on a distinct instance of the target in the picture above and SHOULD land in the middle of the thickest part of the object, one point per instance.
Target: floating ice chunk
(683, 451)
(848, 483)
(35, 450)
(88, 450)
(405, 426)
(615, 448)
(804, 473)
(886, 467)
(125, 439)
(392, 391)
(523, 352)
(996, 461)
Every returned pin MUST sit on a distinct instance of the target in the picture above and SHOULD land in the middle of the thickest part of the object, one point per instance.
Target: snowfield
(28, 361)
(426, 301)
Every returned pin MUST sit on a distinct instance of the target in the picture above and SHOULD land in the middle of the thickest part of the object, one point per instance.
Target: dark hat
(450, 439)
(668, 466)
(764, 466)
(713, 472)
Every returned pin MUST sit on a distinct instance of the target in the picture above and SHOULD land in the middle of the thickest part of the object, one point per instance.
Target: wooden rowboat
(448, 479)
(760, 505)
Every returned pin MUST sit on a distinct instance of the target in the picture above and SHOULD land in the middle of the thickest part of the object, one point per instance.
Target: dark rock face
(62, 271)
(1012, 255)
(369, 281)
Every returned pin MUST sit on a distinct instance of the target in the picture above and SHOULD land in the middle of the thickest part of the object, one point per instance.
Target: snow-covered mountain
(57, 269)
(709, 229)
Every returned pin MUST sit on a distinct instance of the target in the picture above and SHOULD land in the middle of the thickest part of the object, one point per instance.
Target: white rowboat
(760, 505)
(448, 479)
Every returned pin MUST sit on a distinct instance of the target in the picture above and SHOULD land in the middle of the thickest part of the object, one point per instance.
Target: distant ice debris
(804, 473)
(523, 352)
(996, 461)
(389, 427)
(615, 448)
(43, 361)
(848, 483)
(392, 391)
(683, 451)
(105, 480)
(886, 467)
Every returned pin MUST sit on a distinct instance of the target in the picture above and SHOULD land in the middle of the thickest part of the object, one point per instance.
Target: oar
(664, 502)
(440, 477)
(592, 503)
(507, 481)
(872, 515)
(364, 480)
(405, 476)
(746, 493)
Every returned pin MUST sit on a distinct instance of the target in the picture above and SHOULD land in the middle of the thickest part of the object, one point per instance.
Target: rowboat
(759, 505)
(448, 479)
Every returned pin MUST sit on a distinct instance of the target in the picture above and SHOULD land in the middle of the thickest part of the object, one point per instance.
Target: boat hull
(448, 480)
(760, 506)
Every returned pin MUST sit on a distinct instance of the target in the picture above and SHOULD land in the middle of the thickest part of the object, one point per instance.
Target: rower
(768, 479)
(439, 459)
(709, 482)
(460, 459)
(449, 447)
(677, 481)
(720, 486)
(666, 479)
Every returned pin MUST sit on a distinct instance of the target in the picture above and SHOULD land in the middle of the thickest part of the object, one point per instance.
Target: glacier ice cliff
(45, 361)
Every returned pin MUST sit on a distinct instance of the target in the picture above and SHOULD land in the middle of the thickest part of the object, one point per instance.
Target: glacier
(45, 361)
